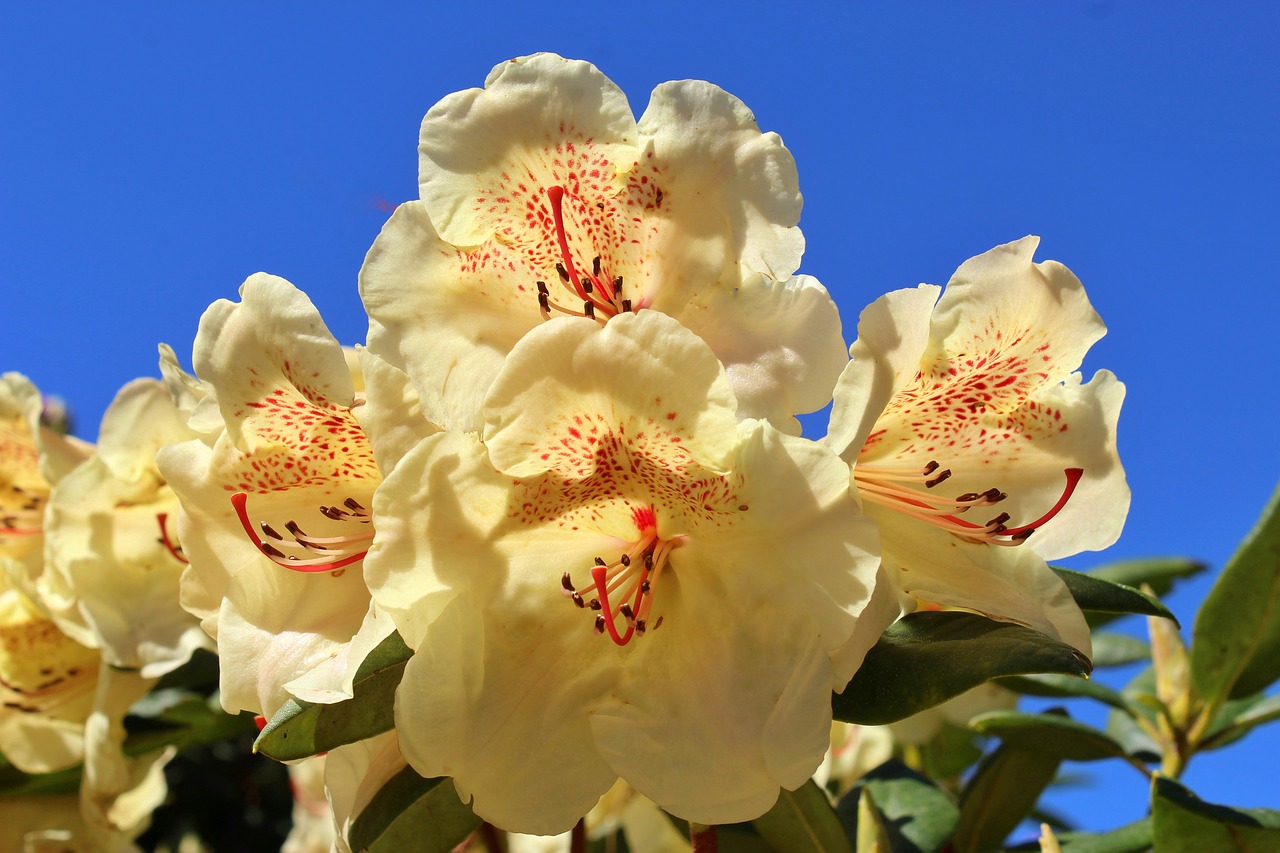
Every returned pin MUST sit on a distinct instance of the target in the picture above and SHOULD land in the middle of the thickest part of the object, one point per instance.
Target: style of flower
(973, 408)
(543, 197)
(619, 579)
(276, 500)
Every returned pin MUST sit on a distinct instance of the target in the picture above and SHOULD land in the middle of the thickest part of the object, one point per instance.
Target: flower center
(21, 512)
(624, 588)
(907, 492)
(302, 552)
(599, 293)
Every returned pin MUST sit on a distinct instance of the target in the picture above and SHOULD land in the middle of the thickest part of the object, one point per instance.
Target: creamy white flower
(276, 501)
(968, 429)
(622, 580)
(542, 196)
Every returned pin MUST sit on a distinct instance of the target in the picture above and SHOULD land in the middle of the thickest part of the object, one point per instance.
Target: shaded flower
(968, 431)
(622, 580)
(542, 196)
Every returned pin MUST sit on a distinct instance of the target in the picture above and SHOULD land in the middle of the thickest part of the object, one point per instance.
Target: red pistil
(598, 292)
(162, 518)
(329, 558)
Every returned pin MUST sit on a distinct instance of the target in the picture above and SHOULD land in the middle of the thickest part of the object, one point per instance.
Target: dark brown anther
(589, 310)
(658, 624)
(999, 520)
(543, 304)
(567, 582)
(942, 475)
(648, 560)
(292, 527)
(267, 529)
(640, 626)
(626, 306)
(595, 604)
(332, 513)
(929, 468)
(657, 202)
(645, 587)
(542, 288)
(595, 266)
(626, 612)
(625, 560)
(969, 496)
(995, 495)
(599, 629)
(617, 284)
(272, 551)
(600, 561)
(586, 284)
(353, 504)
(577, 599)
(1023, 535)
(564, 274)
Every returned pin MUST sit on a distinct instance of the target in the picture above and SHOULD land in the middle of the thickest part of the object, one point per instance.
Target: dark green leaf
(1052, 732)
(412, 813)
(1063, 686)
(915, 814)
(1000, 795)
(1112, 649)
(1106, 596)
(300, 729)
(925, 659)
(1182, 821)
(1236, 647)
(1133, 739)
(803, 820)
(1131, 838)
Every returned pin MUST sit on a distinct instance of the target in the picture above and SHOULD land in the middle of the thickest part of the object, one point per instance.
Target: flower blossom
(542, 196)
(975, 446)
(277, 501)
(620, 580)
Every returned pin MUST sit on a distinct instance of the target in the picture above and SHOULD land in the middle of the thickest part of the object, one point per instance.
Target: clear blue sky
(154, 155)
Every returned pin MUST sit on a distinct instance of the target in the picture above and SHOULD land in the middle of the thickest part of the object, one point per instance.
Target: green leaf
(1238, 717)
(950, 752)
(1063, 686)
(413, 813)
(1236, 646)
(1159, 573)
(803, 820)
(1001, 793)
(1106, 596)
(300, 729)
(1053, 733)
(926, 658)
(1112, 649)
(1182, 821)
(916, 815)
(1131, 838)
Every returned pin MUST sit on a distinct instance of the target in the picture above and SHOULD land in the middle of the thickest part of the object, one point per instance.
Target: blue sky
(154, 155)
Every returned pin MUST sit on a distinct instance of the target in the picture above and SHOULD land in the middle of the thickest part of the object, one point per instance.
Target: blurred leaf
(1182, 821)
(1053, 733)
(1131, 838)
(926, 658)
(1133, 739)
(950, 752)
(803, 820)
(1107, 596)
(1062, 686)
(1112, 649)
(413, 813)
(871, 836)
(1237, 717)
(1159, 573)
(1000, 795)
(1235, 650)
(915, 814)
(300, 729)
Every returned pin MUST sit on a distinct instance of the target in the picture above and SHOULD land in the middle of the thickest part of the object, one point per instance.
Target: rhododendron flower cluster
(566, 471)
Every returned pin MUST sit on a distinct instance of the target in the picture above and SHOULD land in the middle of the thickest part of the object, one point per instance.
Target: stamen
(176, 550)
(331, 551)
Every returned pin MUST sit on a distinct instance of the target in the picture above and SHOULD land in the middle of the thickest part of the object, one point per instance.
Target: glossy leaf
(926, 658)
(803, 821)
(1182, 821)
(300, 729)
(1236, 646)
(1053, 733)
(1112, 649)
(1238, 717)
(1001, 793)
(1159, 573)
(915, 814)
(1131, 838)
(413, 813)
(1101, 595)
